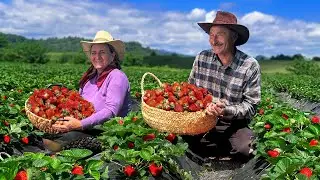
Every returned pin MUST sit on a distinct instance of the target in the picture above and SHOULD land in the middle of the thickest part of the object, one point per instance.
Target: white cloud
(257, 17)
(168, 30)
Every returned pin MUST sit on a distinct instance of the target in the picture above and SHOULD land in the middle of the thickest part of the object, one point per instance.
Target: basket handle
(142, 81)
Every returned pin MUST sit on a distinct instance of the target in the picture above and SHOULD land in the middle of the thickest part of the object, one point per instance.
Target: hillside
(71, 44)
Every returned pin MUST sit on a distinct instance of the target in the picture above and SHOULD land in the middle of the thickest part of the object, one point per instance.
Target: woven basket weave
(183, 123)
(41, 123)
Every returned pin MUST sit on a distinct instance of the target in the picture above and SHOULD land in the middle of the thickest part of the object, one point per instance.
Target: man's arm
(252, 97)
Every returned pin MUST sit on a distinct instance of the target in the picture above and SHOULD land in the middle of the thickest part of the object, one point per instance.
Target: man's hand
(216, 109)
(68, 124)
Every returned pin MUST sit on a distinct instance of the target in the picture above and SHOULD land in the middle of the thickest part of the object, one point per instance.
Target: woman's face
(101, 56)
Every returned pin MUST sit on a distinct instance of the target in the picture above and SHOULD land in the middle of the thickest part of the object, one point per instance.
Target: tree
(3, 41)
(316, 58)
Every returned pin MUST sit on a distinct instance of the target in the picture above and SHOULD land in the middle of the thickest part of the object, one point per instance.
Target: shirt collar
(233, 65)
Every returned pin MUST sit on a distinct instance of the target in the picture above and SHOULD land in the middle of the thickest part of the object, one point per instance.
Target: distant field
(268, 66)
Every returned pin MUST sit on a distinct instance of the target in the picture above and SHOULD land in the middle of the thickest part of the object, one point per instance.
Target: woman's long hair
(91, 72)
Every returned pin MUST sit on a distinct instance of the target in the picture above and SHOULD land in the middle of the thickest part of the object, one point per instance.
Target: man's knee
(241, 141)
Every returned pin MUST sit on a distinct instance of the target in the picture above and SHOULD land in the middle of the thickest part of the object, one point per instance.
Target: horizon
(273, 30)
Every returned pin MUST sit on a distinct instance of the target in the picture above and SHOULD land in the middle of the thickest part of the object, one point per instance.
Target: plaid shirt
(238, 83)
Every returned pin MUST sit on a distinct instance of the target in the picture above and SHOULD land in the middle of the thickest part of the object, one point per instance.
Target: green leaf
(95, 174)
(15, 129)
(314, 129)
(291, 138)
(281, 166)
(105, 174)
(40, 163)
(307, 134)
(76, 153)
(55, 163)
(145, 154)
(94, 165)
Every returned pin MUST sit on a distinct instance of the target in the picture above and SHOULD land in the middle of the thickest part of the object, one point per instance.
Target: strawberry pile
(178, 97)
(58, 102)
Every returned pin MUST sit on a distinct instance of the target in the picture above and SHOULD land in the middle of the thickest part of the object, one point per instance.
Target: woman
(104, 85)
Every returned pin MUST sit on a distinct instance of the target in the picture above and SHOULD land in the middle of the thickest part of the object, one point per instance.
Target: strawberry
(6, 123)
(270, 106)
(6, 139)
(159, 92)
(159, 98)
(129, 171)
(154, 169)
(115, 147)
(199, 95)
(315, 120)
(171, 137)
(267, 126)
(149, 137)
(273, 153)
(21, 175)
(134, 119)
(284, 116)
(131, 145)
(286, 130)
(4, 97)
(178, 108)
(313, 142)
(120, 122)
(306, 171)
(25, 140)
(171, 98)
(261, 111)
(200, 104)
(77, 170)
(192, 99)
(193, 108)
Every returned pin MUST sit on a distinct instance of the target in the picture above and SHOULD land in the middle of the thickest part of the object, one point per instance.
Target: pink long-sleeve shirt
(110, 100)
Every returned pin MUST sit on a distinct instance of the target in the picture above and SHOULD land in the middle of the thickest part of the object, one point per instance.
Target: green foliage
(30, 52)
(172, 61)
(3, 41)
(302, 67)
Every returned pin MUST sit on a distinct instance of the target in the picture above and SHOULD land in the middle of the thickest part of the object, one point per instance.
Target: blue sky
(287, 27)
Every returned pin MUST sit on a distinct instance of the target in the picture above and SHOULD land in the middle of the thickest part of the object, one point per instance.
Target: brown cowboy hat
(228, 20)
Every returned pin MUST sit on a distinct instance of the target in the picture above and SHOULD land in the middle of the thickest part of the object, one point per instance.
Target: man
(233, 78)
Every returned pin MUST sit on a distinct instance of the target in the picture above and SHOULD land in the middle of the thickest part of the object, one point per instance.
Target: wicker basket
(41, 123)
(183, 123)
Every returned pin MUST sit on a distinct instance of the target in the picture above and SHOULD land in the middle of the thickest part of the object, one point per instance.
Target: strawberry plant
(139, 151)
(68, 164)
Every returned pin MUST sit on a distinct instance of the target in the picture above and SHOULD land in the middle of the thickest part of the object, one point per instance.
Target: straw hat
(228, 20)
(101, 38)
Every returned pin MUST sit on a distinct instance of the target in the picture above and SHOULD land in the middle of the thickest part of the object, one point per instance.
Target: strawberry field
(286, 137)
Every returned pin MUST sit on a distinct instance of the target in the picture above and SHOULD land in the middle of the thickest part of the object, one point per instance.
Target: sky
(276, 27)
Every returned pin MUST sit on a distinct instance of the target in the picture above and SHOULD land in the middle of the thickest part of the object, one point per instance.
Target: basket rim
(29, 111)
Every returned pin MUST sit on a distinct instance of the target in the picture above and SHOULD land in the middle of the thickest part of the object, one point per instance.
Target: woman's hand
(216, 109)
(68, 124)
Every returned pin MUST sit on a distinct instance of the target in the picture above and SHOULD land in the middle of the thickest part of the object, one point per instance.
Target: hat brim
(242, 31)
(118, 45)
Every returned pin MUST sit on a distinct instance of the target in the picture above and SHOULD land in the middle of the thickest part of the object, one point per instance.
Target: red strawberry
(129, 171)
(149, 137)
(193, 108)
(131, 145)
(25, 140)
(120, 122)
(134, 119)
(6, 123)
(11, 105)
(267, 126)
(171, 137)
(306, 171)
(273, 153)
(261, 111)
(313, 142)
(315, 120)
(286, 130)
(115, 147)
(172, 99)
(4, 97)
(178, 108)
(154, 169)
(270, 106)
(285, 116)
(21, 175)
(77, 170)
(6, 139)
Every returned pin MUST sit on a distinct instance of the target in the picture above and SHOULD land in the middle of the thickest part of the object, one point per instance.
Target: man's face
(220, 40)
